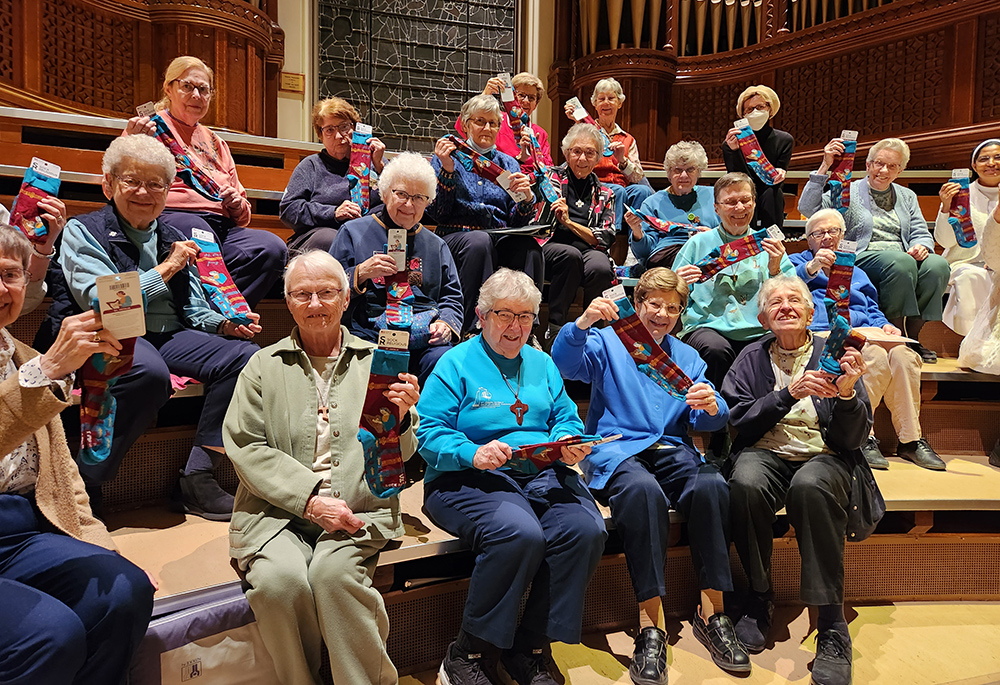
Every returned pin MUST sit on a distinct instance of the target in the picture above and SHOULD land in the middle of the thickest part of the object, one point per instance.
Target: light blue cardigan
(860, 224)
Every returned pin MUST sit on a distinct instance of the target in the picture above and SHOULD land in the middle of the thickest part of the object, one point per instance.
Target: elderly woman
(721, 317)
(74, 608)
(655, 466)
(306, 529)
(584, 227)
(466, 205)
(486, 397)
(895, 248)
(800, 435)
(317, 200)
(206, 193)
(52, 211)
(528, 91)
(407, 184)
(184, 335)
(622, 171)
(893, 372)
(683, 201)
(971, 282)
(759, 104)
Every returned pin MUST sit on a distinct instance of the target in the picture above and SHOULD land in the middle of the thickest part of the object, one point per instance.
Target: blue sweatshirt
(625, 400)
(466, 404)
(661, 206)
(864, 297)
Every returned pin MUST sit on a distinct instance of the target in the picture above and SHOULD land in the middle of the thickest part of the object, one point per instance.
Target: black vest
(103, 225)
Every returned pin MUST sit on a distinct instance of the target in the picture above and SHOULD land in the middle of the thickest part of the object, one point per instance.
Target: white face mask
(757, 119)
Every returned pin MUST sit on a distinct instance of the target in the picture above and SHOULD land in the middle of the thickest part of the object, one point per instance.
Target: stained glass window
(408, 65)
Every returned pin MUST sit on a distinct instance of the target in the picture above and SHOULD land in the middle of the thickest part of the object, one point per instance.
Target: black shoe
(533, 668)
(833, 659)
(873, 454)
(649, 660)
(928, 356)
(200, 494)
(719, 636)
(459, 668)
(755, 623)
(995, 455)
(921, 454)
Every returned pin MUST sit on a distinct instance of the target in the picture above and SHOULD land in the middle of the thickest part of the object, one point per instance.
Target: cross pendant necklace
(579, 203)
(519, 408)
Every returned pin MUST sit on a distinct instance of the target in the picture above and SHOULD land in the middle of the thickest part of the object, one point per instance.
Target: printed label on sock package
(393, 340)
(579, 111)
(848, 134)
(846, 245)
(120, 297)
(961, 173)
(147, 109)
(774, 232)
(396, 247)
(615, 292)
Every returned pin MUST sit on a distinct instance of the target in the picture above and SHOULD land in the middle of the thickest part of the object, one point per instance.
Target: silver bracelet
(40, 255)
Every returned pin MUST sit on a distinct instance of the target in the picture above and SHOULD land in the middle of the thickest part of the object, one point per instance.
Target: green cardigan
(270, 436)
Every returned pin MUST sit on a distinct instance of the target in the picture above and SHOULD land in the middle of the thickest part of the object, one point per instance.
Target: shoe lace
(832, 645)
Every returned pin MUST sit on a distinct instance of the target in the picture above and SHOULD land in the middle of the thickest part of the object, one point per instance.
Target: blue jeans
(632, 196)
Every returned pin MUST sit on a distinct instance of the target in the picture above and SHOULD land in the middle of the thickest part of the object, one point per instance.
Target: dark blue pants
(140, 392)
(255, 258)
(640, 493)
(72, 612)
(422, 361)
(543, 530)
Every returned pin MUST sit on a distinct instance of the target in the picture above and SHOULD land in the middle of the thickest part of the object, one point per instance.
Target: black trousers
(566, 266)
(816, 493)
(717, 350)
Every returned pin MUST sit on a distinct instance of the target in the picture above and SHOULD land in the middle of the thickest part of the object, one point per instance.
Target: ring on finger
(97, 337)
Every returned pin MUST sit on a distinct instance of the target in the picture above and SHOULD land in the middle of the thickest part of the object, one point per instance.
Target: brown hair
(734, 178)
(177, 67)
(660, 278)
(14, 244)
(333, 107)
(526, 79)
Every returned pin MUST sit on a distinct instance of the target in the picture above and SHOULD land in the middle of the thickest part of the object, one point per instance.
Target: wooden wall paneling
(988, 69)
(9, 38)
(31, 26)
(959, 66)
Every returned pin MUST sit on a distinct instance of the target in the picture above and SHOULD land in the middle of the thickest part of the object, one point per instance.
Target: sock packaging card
(120, 297)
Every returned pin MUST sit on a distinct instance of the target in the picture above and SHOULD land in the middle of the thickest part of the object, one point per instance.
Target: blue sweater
(318, 186)
(624, 400)
(659, 205)
(864, 298)
(466, 404)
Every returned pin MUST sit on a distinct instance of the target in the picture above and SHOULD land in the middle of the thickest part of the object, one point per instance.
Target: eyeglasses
(328, 296)
(484, 123)
(344, 129)
(188, 88)
(820, 232)
(589, 153)
(14, 278)
(763, 107)
(606, 97)
(405, 197)
(893, 168)
(778, 302)
(690, 171)
(986, 160)
(131, 184)
(507, 317)
(736, 202)
(520, 95)
(670, 308)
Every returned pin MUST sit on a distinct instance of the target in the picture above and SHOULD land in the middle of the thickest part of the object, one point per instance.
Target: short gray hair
(734, 178)
(14, 245)
(143, 149)
(320, 262)
(507, 284)
(480, 104)
(894, 144)
(685, 152)
(608, 85)
(783, 281)
(828, 213)
(585, 131)
(408, 166)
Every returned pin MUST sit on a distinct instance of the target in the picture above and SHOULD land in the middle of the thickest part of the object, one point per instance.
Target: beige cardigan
(59, 492)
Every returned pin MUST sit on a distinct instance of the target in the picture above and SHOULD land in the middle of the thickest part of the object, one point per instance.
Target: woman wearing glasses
(206, 193)
(317, 200)
(306, 528)
(528, 91)
(895, 248)
(486, 397)
(467, 205)
(408, 184)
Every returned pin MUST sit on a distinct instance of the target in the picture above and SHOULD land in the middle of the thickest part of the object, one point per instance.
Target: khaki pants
(893, 375)
(309, 588)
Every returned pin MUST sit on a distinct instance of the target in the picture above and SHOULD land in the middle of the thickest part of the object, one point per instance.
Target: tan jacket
(59, 491)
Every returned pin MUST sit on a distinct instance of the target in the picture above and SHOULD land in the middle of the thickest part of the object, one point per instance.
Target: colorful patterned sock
(481, 165)
(188, 171)
(753, 155)
(959, 214)
(97, 405)
(398, 301)
(662, 226)
(649, 357)
(379, 428)
(840, 174)
(581, 116)
(838, 287)
(841, 337)
(218, 284)
(731, 253)
(358, 169)
(541, 168)
(24, 212)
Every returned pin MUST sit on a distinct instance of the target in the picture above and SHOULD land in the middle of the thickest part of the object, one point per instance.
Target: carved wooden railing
(107, 56)
(924, 70)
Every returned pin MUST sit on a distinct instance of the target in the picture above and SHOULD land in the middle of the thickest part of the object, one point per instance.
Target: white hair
(686, 152)
(507, 284)
(582, 130)
(895, 144)
(783, 281)
(480, 104)
(408, 166)
(321, 263)
(608, 85)
(828, 213)
(139, 148)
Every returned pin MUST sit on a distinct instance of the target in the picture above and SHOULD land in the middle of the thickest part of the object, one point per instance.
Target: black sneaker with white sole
(464, 668)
